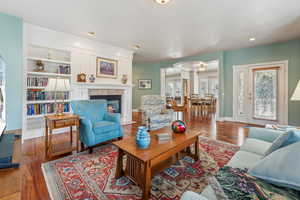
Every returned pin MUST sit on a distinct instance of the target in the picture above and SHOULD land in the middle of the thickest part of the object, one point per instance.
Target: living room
(146, 100)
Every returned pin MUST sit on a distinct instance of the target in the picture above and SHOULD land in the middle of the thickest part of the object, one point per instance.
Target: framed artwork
(145, 84)
(107, 68)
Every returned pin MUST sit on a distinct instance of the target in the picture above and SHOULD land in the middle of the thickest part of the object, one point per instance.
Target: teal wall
(145, 71)
(11, 49)
(275, 52)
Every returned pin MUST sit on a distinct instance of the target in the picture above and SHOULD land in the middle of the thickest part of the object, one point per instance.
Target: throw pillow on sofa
(280, 167)
(293, 137)
(279, 141)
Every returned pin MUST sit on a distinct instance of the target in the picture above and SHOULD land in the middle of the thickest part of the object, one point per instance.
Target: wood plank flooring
(10, 179)
(33, 184)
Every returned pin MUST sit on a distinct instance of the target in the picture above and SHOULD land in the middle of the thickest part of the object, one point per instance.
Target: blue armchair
(96, 124)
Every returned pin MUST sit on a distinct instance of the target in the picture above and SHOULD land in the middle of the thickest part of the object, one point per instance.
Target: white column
(163, 82)
(194, 82)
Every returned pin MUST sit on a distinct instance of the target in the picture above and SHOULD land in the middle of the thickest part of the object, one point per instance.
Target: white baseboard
(128, 122)
(223, 119)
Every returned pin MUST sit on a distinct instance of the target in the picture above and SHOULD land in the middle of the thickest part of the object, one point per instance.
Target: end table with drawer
(55, 122)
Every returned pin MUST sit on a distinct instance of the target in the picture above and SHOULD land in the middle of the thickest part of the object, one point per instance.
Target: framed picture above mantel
(106, 68)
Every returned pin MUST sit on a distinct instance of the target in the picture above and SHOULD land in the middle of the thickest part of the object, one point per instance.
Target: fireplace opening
(114, 102)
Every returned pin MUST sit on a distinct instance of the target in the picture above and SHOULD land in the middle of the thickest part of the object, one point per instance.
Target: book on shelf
(40, 95)
(45, 108)
(37, 81)
(64, 69)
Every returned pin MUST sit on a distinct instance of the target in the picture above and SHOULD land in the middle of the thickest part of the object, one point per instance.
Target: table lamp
(296, 94)
(58, 85)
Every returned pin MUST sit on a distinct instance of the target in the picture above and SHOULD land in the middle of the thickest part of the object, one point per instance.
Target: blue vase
(142, 138)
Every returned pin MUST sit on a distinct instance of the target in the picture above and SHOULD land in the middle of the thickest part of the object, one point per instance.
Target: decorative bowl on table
(178, 126)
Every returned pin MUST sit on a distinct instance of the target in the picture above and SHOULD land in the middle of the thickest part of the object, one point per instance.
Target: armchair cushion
(113, 117)
(105, 126)
(93, 110)
(96, 125)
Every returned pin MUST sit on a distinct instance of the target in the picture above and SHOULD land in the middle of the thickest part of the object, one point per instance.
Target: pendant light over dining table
(162, 2)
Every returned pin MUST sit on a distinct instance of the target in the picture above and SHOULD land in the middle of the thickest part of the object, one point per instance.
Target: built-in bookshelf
(43, 63)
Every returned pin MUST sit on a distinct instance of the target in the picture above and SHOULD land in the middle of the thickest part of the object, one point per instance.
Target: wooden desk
(142, 164)
(55, 122)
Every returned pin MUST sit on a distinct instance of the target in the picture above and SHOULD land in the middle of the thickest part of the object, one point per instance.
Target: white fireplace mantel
(80, 91)
(101, 85)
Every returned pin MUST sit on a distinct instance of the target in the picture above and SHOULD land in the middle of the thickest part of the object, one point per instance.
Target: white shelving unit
(48, 74)
(55, 61)
(49, 60)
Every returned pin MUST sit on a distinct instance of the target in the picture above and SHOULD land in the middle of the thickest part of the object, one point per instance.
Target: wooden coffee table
(142, 164)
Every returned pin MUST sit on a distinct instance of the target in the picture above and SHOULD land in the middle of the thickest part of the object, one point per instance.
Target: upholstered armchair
(96, 124)
(153, 108)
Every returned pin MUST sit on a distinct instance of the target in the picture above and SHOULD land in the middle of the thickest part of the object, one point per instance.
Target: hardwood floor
(33, 184)
(11, 177)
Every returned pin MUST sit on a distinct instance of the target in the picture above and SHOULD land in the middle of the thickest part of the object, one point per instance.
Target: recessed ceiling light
(77, 44)
(136, 47)
(91, 34)
(252, 39)
(162, 2)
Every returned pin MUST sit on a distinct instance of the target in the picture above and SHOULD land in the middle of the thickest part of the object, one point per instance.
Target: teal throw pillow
(278, 142)
(293, 137)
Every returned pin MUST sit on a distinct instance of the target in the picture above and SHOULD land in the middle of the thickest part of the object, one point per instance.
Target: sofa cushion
(244, 159)
(255, 146)
(280, 167)
(278, 142)
(105, 126)
(188, 195)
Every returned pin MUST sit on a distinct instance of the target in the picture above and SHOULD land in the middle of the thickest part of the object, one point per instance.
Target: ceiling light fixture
(202, 67)
(252, 39)
(136, 47)
(162, 2)
(77, 44)
(92, 34)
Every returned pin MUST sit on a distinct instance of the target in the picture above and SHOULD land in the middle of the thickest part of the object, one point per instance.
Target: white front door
(260, 93)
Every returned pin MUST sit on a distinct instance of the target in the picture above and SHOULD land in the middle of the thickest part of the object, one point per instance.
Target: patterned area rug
(91, 176)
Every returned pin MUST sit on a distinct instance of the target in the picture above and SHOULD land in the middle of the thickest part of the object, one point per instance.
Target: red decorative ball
(178, 126)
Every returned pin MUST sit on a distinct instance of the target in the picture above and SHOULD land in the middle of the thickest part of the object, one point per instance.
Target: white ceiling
(180, 28)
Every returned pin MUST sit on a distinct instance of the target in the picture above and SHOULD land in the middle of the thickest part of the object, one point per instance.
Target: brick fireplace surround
(86, 90)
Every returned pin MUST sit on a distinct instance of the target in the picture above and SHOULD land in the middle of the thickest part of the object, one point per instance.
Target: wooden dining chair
(180, 108)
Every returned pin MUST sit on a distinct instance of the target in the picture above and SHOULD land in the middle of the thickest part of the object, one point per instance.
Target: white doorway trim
(284, 65)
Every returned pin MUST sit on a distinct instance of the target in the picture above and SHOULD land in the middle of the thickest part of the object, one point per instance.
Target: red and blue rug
(91, 176)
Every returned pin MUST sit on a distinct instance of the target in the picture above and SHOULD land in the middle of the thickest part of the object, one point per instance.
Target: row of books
(37, 95)
(37, 82)
(64, 69)
(47, 108)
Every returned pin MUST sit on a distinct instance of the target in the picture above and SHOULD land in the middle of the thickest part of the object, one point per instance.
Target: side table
(55, 122)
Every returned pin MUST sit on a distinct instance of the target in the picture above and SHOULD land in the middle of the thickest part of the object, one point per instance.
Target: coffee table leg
(147, 181)
(119, 169)
(197, 149)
